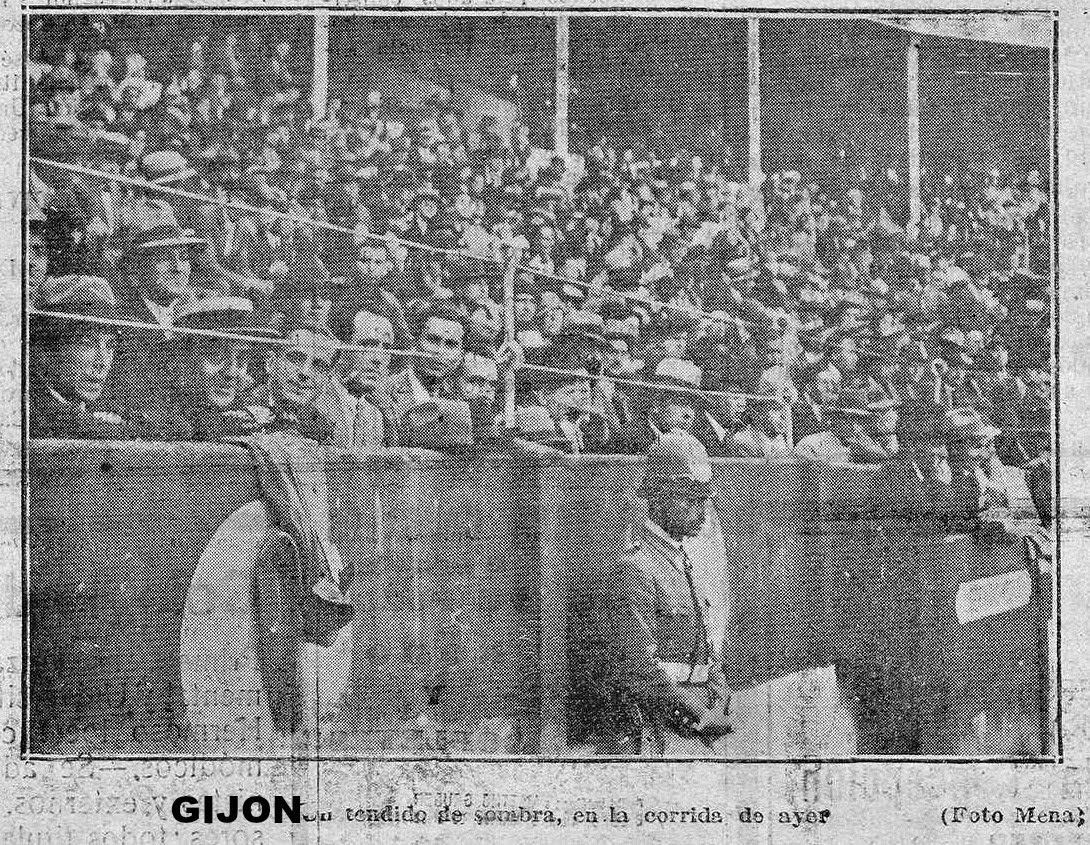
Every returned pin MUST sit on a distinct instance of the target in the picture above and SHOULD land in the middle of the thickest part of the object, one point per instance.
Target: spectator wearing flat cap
(71, 362)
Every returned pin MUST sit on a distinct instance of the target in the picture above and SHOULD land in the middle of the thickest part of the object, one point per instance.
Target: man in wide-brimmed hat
(71, 360)
(672, 401)
(204, 376)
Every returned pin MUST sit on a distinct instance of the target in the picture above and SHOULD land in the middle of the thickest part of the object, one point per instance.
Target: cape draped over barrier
(458, 645)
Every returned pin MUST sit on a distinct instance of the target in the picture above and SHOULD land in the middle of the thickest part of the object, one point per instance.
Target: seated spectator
(363, 369)
(475, 384)
(439, 346)
(152, 285)
(70, 362)
(153, 273)
(852, 423)
(764, 434)
(298, 373)
(205, 376)
(673, 403)
(562, 387)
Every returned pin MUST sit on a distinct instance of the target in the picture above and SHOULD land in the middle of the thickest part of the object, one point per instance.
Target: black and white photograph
(540, 385)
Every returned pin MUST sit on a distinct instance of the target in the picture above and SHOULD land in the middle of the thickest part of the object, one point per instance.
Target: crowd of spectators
(652, 291)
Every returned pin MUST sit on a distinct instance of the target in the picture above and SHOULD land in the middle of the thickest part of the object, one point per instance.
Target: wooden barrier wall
(141, 608)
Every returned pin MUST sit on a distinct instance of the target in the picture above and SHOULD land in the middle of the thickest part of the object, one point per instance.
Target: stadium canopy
(1026, 30)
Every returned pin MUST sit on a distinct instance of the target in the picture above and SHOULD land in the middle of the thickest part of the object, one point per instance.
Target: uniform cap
(677, 459)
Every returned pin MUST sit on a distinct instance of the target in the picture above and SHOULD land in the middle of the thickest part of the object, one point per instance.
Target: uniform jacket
(644, 631)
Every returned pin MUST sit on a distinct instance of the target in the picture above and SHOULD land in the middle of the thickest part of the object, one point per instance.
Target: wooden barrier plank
(461, 569)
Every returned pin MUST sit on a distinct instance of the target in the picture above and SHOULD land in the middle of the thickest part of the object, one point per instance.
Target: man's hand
(510, 355)
(696, 710)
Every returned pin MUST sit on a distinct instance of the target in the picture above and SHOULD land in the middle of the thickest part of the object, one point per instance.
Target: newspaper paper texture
(543, 423)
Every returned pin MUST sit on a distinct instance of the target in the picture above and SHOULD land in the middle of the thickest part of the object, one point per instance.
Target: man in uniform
(647, 673)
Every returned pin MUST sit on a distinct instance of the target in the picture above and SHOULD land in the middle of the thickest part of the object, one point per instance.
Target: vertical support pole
(560, 141)
(790, 344)
(319, 88)
(913, 77)
(509, 335)
(753, 64)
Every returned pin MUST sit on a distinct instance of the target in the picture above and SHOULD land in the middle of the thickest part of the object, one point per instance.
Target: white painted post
(560, 143)
(753, 62)
(319, 87)
(913, 76)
